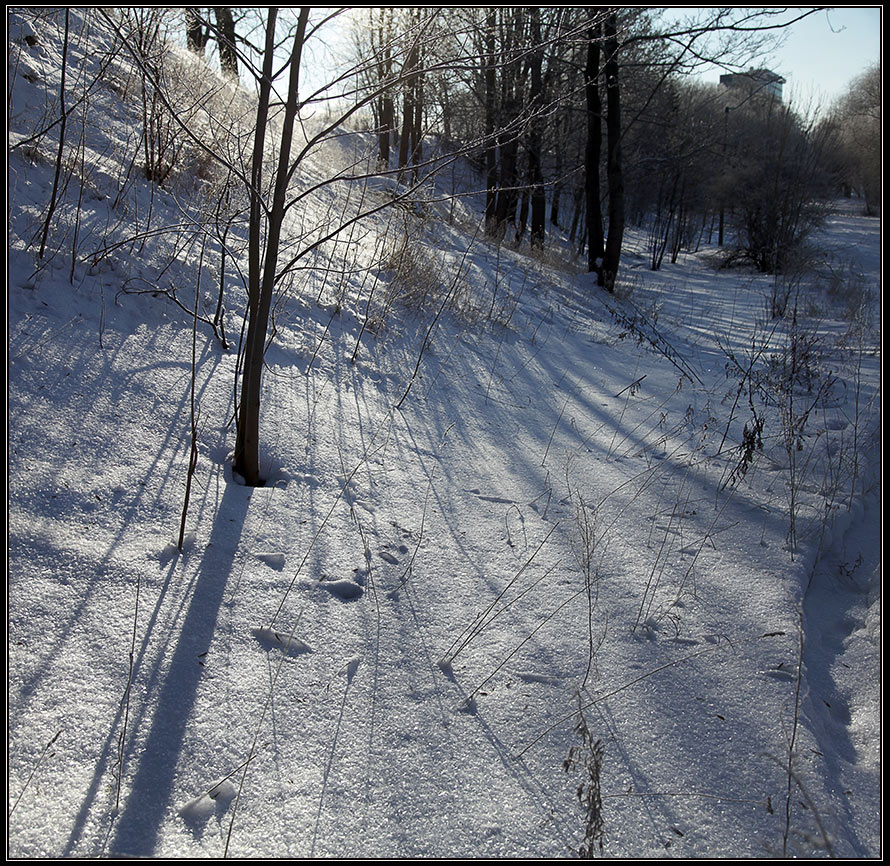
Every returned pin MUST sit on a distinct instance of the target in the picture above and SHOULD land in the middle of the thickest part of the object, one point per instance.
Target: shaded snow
(545, 524)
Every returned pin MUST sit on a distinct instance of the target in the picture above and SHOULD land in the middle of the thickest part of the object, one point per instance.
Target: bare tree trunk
(577, 201)
(417, 121)
(386, 108)
(408, 100)
(522, 217)
(387, 125)
(559, 185)
(262, 286)
(592, 151)
(536, 176)
(508, 139)
(614, 170)
(508, 195)
(228, 56)
(254, 243)
(61, 150)
(196, 33)
(445, 98)
(491, 157)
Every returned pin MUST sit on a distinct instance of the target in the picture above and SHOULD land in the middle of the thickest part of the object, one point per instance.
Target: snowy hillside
(535, 568)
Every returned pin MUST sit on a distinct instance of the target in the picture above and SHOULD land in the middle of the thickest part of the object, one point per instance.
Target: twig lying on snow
(472, 631)
(46, 748)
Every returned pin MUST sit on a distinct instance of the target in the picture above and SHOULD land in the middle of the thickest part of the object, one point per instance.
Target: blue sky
(824, 52)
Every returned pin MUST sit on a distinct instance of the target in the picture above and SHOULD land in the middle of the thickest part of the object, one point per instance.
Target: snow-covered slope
(389, 649)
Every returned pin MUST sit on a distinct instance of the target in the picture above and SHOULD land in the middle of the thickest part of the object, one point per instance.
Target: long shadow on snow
(105, 757)
(530, 469)
(147, 804)
(128, 513)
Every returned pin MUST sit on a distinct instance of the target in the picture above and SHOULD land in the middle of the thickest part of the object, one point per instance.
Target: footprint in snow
(273, 560)
(543, 679)
(217, 796)
(496, 499)
(780, 674)
(344, 589)
(350, 668)
(271, 639)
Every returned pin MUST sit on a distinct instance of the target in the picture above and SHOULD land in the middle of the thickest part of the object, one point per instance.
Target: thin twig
(789, 768)
(553, 431)
(480, 623)
(46, 748)
(409, 570)
(614, 692)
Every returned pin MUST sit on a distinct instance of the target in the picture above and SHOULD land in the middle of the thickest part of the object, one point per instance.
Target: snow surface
(383, 651)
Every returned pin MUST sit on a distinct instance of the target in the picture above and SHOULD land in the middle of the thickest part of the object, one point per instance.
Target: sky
(825, 51)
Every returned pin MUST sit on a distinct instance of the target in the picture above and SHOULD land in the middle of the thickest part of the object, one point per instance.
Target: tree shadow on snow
(146, 806)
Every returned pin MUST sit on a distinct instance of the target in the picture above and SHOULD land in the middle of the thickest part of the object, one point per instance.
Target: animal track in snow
(220, 793)
(273, 560)
(391, 558)
(780, 674)
(344, 589)
(498, 499)
(271, 639)
(543, 679)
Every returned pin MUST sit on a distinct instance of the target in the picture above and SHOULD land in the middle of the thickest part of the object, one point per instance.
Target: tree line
(597, 105)
(578, 121)
(594, 113)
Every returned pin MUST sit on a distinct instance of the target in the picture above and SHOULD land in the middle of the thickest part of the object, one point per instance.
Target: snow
(382, 653)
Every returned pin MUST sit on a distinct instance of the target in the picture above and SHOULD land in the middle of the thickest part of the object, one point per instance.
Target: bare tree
(196, 31)
(266, 269)
(614, 167)
(595, 246)
(262, 284)
(858, 118)
(225, 37)
(61, 149)
(781, 182)
(381, 33)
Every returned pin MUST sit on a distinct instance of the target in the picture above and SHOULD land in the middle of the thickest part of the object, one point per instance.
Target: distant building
(755, 81)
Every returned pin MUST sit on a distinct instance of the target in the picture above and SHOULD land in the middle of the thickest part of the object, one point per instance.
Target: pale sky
(824, 52)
